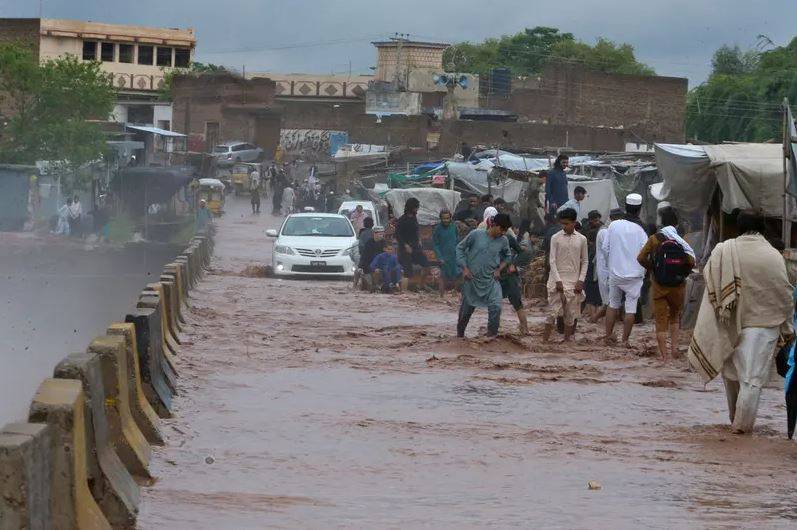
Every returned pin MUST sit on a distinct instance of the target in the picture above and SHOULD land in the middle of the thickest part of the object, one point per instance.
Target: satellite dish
(436, 79)
(463, 81)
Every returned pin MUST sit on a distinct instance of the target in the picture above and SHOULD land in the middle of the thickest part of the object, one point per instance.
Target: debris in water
(209, 459)
(257, 271)
(593, 485)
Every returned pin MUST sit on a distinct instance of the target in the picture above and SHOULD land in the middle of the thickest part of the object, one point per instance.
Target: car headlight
(348, 251)
(282, 249)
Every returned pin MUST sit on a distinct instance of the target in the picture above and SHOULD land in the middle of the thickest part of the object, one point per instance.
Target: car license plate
(318, 263)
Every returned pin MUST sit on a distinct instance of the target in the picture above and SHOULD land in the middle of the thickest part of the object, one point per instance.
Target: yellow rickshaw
(241, 176)
(212, 191)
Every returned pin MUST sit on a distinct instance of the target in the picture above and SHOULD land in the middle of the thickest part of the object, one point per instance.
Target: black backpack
(671, 262)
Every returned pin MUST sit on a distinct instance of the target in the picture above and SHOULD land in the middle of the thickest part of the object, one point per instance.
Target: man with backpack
(671, 259)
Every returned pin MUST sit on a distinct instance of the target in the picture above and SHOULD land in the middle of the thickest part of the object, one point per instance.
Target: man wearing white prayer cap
(623, 241)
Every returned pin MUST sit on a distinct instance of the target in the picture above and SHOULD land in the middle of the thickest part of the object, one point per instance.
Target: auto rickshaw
(212, 191)
(241, 176)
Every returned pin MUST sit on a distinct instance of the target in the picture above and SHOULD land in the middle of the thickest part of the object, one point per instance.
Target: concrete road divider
(173, 276)
(178, 271)
(25, 476)
(151, 362)
(169, 287)
(112, 485)
(131, 445)
(160, 290)
(183, 261)
(152, 300)
(60, 403)
(143, 414)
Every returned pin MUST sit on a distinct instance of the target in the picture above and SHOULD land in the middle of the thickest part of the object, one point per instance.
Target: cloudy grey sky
(676, 37)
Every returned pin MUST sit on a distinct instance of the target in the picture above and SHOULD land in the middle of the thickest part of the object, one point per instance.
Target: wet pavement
(56, 295)
(307, 405)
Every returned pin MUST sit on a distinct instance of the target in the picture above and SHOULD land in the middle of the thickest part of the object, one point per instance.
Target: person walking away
(62, 226)
(602, 265)
(410, 253)
(75, 214)
(483, 255)
(444, 238)
(568, 265)
(510, 283)
(623, 242)
(389, 268)
(556, 184)
(357, 217)
(466, 151)
(746, 311)
(591, 288)
(671, 259)
(203, 216)
(254, 191)
(579, 194)
(288, 196)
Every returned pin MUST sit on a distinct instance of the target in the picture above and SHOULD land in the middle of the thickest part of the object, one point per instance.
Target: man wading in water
(482, 256)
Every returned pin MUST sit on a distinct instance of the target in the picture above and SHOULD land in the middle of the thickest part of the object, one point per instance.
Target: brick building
(136, 57)
(648, 108)
(216, 108)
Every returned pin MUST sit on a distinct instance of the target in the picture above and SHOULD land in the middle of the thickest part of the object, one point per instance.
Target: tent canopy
(750, 176)
(432, 200)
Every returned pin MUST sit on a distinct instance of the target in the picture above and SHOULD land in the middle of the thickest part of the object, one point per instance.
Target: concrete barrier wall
(76, 462)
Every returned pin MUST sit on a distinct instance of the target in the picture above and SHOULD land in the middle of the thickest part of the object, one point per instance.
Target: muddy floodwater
(304, 404)
(56, 295)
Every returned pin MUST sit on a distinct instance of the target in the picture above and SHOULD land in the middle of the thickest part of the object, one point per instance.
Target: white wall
(163, 112)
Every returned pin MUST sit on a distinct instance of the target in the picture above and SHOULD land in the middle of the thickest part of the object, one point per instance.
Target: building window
(89, 50)
(182, 57)
(164, 56)
(146, 54)
(107, 52)
(125, 53)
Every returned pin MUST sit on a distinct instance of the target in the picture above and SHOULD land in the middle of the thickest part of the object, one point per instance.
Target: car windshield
(221, 149)
(368, 213)
(317, 226)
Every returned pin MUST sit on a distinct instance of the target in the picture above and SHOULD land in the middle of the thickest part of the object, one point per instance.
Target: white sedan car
(314, 244)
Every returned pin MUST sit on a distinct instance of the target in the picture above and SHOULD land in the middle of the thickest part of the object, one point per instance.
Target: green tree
(605, 56)
(741, 99)
(529, 51)
(54, 108)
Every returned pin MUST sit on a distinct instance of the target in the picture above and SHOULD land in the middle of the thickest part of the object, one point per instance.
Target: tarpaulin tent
(432, 200)
(749, 176)
(600, 194)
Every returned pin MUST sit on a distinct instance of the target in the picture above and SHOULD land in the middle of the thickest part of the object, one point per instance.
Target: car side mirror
(271, 232)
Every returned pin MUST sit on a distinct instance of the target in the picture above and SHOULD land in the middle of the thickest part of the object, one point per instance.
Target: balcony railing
(321, 89)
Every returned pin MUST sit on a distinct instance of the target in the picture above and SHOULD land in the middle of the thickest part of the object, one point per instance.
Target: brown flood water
(325, 408)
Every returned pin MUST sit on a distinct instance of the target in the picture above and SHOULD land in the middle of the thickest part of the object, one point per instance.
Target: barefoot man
(568, 261)
(482, 256)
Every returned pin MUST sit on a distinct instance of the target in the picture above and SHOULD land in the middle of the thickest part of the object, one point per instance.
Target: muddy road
(57, 295)
(307, 405)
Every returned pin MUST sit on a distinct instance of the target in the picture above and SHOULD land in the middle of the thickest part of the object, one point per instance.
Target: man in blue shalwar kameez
(482, 256)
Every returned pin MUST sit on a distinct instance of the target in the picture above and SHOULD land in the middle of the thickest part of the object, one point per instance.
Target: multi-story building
(137, 58)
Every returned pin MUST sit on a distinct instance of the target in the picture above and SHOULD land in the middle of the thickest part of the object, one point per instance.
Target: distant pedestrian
(579, 194)
(75, 217)
(444, 238)
(623, 242)
(482, 256)
(591, 287)
(556, 184)
(288, 196)
(486, 201)
(255, 200)
(203, 216)
(568, 270)
(408, 238)
(62, 224)
(602, 265)
(469, 211)
(357, 218)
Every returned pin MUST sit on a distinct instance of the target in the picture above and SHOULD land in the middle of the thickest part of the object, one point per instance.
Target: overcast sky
(676, 37)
